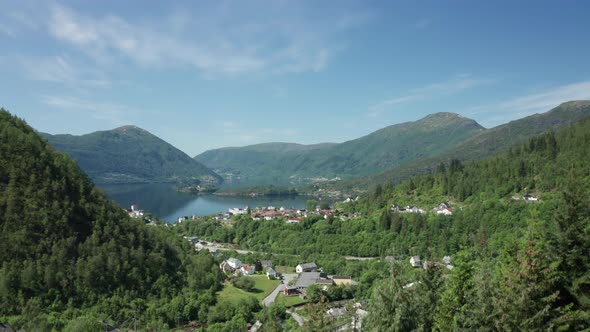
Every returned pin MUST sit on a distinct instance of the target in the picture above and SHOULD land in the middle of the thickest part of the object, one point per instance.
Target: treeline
(270, 191)
(72, 260)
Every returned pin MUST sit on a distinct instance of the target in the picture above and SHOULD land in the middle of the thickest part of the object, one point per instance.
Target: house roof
(306, 279)
(415, 258)
(311, 265)
(266, 262)
(324, 281)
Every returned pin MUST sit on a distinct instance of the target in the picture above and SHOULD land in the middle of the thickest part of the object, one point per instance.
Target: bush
(244, 283)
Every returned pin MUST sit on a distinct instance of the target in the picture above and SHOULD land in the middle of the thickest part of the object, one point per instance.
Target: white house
(530, 198)
(247, 270)
(445, 211)
(237, 211)
(234, 263)
(272, 273)
(415, 261)
(307, 267)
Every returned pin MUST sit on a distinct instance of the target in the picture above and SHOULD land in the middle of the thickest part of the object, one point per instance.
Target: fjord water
(163, 201)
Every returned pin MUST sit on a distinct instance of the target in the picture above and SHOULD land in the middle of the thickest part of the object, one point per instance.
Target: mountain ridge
(376, 151)
(130, 154)
(484, 144)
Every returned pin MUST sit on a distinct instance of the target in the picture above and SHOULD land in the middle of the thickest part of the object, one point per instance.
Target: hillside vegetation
(386, 148)
(73, 260)
(131, 155)
(485, 143)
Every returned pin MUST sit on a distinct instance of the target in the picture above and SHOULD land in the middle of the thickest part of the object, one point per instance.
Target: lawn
(288, 301)
(262, 288)
(285, 269)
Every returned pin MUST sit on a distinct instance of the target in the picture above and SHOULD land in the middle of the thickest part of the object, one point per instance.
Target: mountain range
(389, 154)
(485, 143)
(383, 149)
(130, 154)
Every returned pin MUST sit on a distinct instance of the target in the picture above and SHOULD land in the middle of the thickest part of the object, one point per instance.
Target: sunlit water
(165, 202)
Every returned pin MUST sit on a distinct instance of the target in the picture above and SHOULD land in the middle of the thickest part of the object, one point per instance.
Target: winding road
(271, 298)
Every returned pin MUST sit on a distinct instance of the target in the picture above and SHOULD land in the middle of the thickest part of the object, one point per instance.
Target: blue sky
(208, 74)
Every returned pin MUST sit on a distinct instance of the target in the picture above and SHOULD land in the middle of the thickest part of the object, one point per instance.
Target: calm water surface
(165, 202)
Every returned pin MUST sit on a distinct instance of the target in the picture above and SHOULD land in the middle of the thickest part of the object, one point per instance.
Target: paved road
(271, 298)
(353, 258)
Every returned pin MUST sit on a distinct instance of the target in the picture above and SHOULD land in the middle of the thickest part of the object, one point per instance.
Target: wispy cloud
(452, 86)
(537, 102)
(219, 47)
(14, 21)
(61, 69)
(114, 113)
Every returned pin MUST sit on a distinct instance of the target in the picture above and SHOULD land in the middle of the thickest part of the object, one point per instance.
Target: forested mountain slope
(70, 258)
(484, 144)
(131, 155)
(378, 151)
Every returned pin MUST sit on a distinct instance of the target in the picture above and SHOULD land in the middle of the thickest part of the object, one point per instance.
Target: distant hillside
(484, 144)
(386, 148)
(131, 155)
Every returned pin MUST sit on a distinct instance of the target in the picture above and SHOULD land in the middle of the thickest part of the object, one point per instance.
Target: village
(294, 286)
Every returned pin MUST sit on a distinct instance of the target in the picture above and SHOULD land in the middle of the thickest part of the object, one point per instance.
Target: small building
(290, 290)
(342, 280)
(445, 211)
(271, 273)
(294, 220)
(238, 211)
(530, 198)
(234, 263)
(306, 267)
(415, 261)
(266, 263)
(446, 260)
(324, 282)
(414, 209)
(247, 270)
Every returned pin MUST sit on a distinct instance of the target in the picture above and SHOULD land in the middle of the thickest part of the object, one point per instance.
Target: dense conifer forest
(73, 260)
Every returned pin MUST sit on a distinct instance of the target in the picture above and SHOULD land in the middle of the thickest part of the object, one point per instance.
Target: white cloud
(537, 102)
(452, 86)
(61, 69)
(219, 42)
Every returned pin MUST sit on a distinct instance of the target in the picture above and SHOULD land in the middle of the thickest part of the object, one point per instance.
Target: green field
(262, 288)
(285, 269)
(288, 301)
